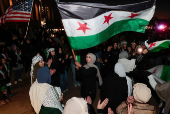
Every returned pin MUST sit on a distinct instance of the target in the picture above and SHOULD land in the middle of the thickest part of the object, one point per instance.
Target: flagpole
(30, 20)
(27, 28)
(74, 55)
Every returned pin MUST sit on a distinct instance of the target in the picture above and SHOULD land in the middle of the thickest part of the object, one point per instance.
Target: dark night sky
(162, 9)
(162, 6)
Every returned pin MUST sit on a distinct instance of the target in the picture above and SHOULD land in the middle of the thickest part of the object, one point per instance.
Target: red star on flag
(107, 18)
(133, 15)
(154, 71)
(152, 44)
(83, 27)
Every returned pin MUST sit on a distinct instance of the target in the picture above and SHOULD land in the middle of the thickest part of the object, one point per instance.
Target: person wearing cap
(141, 95)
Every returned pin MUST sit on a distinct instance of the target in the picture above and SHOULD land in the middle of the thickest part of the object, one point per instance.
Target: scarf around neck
(91, 64)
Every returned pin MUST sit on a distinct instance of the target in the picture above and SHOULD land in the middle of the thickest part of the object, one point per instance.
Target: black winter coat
(62, 65)
(115, 55)
(55, 78)
(106, 65)
(115, 89)
(88, 87)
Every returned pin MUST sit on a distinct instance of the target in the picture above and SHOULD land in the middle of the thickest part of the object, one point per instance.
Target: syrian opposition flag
(161, 71)
(157, 46)
(89, 24)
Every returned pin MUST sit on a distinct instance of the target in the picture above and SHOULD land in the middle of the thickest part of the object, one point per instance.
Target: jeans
(63, 81)
(73, 67)
(18, 74)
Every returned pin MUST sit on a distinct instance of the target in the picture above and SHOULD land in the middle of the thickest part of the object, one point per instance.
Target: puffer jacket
(138, 108)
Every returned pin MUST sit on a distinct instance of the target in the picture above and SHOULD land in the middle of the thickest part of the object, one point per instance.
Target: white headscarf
(76, 106)
(121, 72)
(91, 64)
(49, 50)
(123, 42)
(35, 60)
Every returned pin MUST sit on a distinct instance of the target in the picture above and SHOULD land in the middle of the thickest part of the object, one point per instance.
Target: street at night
(84, 57)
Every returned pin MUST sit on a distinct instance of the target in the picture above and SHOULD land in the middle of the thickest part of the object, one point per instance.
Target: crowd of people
(117, 67)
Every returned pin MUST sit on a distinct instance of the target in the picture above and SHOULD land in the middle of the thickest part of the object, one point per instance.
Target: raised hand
(130, 100)
(78, 64)
(130, 109)
(88, 100)
(49, 62)
(110, 111)
(52, 71)
(103, 104)
(145, 51)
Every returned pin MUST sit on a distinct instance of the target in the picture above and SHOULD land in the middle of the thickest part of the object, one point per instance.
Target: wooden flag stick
(74, 55)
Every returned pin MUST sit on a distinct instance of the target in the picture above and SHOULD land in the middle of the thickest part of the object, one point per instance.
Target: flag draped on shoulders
(89, 24)
(157, 46)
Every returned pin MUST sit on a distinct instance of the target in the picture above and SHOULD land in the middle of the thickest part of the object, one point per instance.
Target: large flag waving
(89, 24)
(20, 11)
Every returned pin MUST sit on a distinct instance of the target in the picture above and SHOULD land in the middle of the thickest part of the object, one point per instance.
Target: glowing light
(161, 27)
(140, 50)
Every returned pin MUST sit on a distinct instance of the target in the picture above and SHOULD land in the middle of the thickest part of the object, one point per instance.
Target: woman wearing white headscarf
(119, 69)
(89, 72)
(83, 106)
